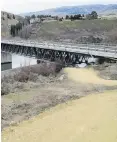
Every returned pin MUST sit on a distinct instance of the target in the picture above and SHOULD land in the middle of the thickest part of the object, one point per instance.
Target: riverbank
(19, 79)
(48, 91)
(92, 118)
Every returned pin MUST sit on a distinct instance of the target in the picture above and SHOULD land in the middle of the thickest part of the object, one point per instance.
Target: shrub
(5, 88)
(13, 16)
(3, 18)
(21, 77)
(25, 74)
(25, 32)
(8, 16)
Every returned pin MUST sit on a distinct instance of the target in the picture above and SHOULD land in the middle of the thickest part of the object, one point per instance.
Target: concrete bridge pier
(6, 61)
(40, 61)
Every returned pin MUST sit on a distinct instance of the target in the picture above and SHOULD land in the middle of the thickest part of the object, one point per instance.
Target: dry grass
(6, 23)
(79, 31)
(92, 118)
(107, 71)
(25, 104)
(17, 79)
(48, 91)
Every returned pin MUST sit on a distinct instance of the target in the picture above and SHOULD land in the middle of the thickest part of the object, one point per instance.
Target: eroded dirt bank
(87, 76)
(85, 119)
(91, 118)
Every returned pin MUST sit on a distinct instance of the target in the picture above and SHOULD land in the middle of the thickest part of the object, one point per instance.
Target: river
(11, 61)
(18, 61)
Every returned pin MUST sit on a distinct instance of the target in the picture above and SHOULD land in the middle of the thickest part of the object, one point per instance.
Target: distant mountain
(84, 9)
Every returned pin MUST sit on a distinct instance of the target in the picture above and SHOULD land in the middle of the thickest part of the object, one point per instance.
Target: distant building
(36, 20)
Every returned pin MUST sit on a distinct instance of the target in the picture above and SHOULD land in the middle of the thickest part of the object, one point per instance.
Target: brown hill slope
(8, 19)
(84, 31)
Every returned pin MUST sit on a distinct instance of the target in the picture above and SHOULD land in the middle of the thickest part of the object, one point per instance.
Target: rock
(61, 77)
(91, 60)
(82, 65)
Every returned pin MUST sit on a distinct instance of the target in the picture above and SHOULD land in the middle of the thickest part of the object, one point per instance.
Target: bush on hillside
(13, 16)
(8, 16)
(30, 73)
(2, 18)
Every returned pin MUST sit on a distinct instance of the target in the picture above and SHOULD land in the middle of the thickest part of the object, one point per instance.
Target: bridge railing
(97, 46)
(66, 43)
(91, 49)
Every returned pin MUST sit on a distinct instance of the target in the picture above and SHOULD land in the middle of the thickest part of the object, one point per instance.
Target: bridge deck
(88, 49)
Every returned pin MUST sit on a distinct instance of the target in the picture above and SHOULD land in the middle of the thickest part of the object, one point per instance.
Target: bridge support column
(40, 61)
(6, 61)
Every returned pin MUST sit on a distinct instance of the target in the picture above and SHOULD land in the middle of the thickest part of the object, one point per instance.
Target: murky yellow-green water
(89, 119)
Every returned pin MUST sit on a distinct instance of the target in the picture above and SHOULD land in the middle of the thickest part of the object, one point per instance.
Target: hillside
(84, 9)
(27, 115)
(8, 19)
(83, 31)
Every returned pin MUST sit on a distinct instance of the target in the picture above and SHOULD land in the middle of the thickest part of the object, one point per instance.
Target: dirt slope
(88, 76)
(90, 119)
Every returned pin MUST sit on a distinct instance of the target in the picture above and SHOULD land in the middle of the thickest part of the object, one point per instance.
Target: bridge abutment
(6, 61)
(68, 56)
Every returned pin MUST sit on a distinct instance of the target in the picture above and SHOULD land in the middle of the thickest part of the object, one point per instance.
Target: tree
(67, 17)
(72, 18)
(2, 18)
(25, 32)
(94, 15)
(38, 16)
(13, 16)
(56, 18)
(33, 16)
(8, 16)
(27, 17)
(18, 27)
(60, 19)
(27, 20)
(13, 30)
(79, 16)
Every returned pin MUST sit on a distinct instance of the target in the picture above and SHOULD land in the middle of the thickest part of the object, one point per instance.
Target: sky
(23, 6)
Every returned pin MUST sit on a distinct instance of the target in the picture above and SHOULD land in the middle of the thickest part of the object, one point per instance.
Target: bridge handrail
(65, 46)
(91, 49)
(31, 41)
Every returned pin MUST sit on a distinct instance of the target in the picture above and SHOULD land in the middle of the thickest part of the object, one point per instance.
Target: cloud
(22, 6)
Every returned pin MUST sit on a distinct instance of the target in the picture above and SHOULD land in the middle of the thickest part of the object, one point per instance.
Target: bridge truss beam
(68, 58)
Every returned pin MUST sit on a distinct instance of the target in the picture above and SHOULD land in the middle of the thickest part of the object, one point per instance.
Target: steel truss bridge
(68, 53)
